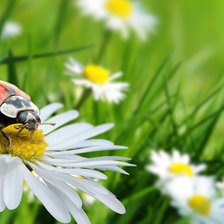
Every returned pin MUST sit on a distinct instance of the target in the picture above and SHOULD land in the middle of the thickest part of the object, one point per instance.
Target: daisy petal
(2, 173)
(79, 138)
(67, 132)
(81, 172)
(61, 186)
(116, 76)
(49, 110)
(74, 66)
(78, 214)
(59, 120)
(50, 200)
(13, 185)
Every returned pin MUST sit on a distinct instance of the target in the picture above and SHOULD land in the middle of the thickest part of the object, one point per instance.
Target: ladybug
(17, 107)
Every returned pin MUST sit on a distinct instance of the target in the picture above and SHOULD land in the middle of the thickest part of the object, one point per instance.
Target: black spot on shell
(18, 102)
(25, 102)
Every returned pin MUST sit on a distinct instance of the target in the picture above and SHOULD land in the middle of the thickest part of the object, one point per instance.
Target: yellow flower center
(200, 204)
(22, 145)
(121, 8)
(181, 168)
(96, 74)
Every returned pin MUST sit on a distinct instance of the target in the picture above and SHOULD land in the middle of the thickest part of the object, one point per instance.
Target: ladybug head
(30, 120)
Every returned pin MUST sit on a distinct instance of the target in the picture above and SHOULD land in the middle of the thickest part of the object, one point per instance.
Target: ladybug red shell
(16, 107)
(8, 89)
(13, 100)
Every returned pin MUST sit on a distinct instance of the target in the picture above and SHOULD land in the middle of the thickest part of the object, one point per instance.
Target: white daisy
(120, 15)
(98, 79)
(168, 167)
(10, 30)
(197, 198)
(55, 157)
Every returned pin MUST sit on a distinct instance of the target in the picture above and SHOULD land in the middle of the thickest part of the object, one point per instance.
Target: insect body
(17, 107)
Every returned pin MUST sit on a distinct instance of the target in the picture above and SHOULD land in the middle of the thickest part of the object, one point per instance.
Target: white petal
(62, 186)
(111, 202)
(113, 168)
(199, 168)
(59, 120)
(74, 66)
(95, 142)
(116, 76)
(81, 172)
(49, 110)
(71, 160)
(2, 173)
(85, 150)
(50, 200)
(93, 164)
(79, 138)
(67, 132)
(10, 30)
(13, 185)
(78, 214)
(93, 189)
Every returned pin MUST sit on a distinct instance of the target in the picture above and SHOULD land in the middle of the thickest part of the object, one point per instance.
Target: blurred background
(175, 99)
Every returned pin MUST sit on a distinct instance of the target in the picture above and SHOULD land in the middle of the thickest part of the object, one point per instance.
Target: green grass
(175, 98)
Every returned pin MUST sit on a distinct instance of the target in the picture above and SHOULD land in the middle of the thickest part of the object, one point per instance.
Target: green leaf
(44, 55)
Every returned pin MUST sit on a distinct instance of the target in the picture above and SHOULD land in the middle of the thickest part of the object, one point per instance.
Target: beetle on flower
(55, 158)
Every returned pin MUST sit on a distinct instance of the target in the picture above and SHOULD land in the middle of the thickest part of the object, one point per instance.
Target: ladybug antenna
(46, 123)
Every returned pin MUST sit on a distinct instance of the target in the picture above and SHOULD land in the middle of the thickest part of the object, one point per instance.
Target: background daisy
(10, 30)
(120, 15)
(99, 80)
(198, 199)
(169, 167)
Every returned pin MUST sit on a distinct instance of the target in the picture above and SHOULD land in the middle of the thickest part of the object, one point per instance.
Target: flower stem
(101, 52)
(103, 46)
(84, 97)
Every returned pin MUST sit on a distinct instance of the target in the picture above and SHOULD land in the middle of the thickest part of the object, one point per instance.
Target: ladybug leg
(20, 130)
(8, 146)
(31, 135)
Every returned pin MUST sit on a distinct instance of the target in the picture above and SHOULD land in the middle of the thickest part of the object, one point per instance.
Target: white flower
(168, 167)
(197, 198)
(98, 80)
(10, 29)
(55, 157)
(120, 15)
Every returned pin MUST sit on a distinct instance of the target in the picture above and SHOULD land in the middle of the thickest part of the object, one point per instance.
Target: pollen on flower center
(200, 204)
(22, 145)
(96, 74)
(122, 8)
(181, 168)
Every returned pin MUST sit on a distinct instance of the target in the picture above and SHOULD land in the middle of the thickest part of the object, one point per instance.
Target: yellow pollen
(181, 168)
(22, 145)
(200, 204)
(121, 8)
(96, 74)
